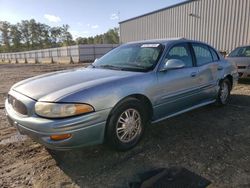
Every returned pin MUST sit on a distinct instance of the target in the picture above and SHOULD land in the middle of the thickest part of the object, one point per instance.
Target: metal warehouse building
(225, 24)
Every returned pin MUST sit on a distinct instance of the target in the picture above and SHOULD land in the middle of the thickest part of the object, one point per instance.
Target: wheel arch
(144, 99)
(230, 78)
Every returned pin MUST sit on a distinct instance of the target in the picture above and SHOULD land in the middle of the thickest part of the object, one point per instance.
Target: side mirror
(173, 64)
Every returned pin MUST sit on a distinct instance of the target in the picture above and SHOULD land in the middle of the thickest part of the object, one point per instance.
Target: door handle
(220, 68)
(193, 74)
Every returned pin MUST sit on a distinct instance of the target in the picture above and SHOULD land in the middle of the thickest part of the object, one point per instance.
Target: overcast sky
(85, 17)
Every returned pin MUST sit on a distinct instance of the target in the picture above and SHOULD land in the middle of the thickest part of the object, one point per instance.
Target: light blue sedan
(114, 99)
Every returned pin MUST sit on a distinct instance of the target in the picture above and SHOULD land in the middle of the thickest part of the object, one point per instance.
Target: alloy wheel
(128, 125)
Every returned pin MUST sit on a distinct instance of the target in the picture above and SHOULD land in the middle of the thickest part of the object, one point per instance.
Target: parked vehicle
(114, 99)
(241, 57)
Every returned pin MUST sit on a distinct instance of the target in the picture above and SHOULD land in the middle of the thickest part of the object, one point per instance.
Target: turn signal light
(60, 137)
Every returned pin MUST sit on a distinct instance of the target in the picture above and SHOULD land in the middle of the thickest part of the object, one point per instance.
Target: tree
(5, 36)
(24, 29)
(91, 40)
(55, 35)
(44, 39)
(32, 35)
(112, 36)
(81, 40)
(16, 37)
(33, 29)
(66, 36)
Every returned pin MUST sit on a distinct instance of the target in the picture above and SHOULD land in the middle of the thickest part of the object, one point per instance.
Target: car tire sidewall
(111, 136)
(219, 101)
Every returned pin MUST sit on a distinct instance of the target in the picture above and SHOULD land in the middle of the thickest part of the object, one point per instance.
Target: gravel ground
(212, 141)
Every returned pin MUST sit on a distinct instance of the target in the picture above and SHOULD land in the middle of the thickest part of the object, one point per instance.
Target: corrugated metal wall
(225, 24)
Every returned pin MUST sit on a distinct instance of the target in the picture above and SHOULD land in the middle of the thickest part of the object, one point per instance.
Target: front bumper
(86, 130)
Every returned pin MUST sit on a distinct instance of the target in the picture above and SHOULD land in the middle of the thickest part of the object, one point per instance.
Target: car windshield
(132, 57)
(240, 52)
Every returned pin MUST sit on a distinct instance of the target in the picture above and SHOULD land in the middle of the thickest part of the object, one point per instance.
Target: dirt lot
(212, 141)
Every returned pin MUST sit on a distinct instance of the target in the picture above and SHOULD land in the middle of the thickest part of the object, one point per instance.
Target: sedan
(114, 99)
(241, 57)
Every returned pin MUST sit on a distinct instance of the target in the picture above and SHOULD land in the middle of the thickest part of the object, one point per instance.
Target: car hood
(52, 86)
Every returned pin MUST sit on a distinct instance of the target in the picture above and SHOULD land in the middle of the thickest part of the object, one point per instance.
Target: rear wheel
(126, 124)
(224, 92)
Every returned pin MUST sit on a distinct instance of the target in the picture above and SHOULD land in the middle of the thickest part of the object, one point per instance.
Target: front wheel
(224, 92)
(126, 124)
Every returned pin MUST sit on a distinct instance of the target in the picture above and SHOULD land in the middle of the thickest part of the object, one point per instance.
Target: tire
(126, 124)
(224, 92)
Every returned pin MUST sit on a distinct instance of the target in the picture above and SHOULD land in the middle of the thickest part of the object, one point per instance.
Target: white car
(241, 57)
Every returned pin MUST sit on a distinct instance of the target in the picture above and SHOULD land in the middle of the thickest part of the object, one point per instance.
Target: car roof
(245, 46)
(162, 41)
(171, 41)
(166, 41)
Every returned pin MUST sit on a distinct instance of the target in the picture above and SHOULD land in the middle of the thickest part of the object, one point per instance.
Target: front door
(177, 88)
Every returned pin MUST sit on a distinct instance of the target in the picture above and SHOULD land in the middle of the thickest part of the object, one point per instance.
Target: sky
(85, 17)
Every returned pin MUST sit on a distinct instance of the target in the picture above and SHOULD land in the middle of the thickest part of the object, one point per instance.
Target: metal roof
(169, 7)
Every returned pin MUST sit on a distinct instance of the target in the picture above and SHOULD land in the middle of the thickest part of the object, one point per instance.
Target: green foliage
(5, 36)
(32, 35)
(110, 37)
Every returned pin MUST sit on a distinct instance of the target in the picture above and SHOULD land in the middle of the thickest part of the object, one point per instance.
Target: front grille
(17, 105)
(242, 67)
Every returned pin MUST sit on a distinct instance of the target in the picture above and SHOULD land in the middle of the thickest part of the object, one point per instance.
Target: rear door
(207, 62)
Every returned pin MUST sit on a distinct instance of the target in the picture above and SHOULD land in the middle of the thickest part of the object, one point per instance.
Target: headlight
(61, 110)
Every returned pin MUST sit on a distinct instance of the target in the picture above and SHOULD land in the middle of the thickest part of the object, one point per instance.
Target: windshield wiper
(134, 65)
(110, 67)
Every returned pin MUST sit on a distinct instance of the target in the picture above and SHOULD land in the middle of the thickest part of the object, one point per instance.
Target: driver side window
(180, 52)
